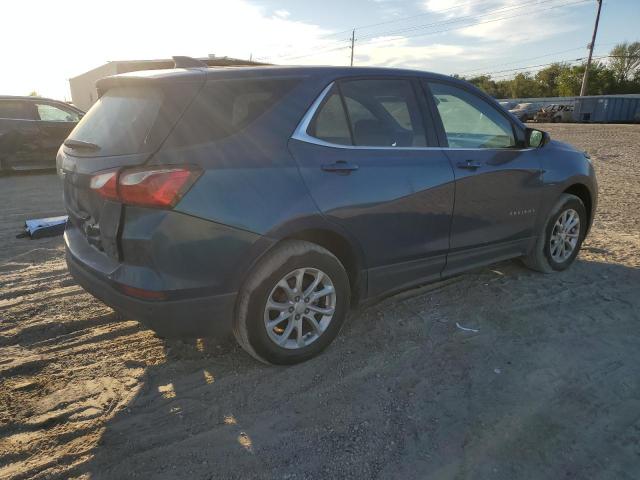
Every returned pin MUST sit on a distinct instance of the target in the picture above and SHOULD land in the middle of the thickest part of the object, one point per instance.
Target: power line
(492, 74)
(457, 27)
(397, 20)
(523, 5)
(481, 23)
(518, 61)
(530, 58)
(565, 61)
(352, 31)
(315, 53)
(501, 10)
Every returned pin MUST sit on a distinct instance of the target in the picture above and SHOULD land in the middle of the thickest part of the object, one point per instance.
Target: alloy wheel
(564, 236)
(300, 308)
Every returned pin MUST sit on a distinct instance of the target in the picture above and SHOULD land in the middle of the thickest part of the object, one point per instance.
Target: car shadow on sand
(547, 387)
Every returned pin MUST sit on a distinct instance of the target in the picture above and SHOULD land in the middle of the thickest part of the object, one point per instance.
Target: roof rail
(188, 62)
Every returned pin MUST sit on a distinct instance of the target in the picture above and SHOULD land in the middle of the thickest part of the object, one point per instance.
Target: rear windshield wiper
(80, 144)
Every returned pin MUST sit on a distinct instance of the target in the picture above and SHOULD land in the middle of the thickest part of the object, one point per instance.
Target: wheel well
(342, 249)
(582, 192)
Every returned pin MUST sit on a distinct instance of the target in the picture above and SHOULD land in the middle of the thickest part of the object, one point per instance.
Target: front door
(362, 155)
(497, 179)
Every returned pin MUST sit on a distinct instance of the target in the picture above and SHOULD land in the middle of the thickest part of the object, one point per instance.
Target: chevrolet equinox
(269, 201)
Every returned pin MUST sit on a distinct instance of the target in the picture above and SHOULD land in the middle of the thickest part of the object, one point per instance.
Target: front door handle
(340, 167)
(469, 165)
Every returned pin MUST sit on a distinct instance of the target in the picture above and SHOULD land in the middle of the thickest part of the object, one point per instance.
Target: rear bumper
(202, 316)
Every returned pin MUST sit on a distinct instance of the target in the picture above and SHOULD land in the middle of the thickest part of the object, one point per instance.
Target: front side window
(49, 113)
(379, 113)
(469, 121)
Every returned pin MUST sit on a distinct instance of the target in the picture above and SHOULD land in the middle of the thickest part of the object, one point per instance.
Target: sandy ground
(549, 386)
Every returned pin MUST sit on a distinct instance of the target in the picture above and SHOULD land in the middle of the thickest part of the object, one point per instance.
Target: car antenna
(188, 62)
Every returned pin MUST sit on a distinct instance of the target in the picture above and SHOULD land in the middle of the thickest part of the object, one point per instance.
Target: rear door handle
(340, 167)
(469, 165)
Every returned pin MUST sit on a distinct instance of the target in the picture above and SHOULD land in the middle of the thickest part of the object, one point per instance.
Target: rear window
(120, 121)
(225, 107)
(16, 110)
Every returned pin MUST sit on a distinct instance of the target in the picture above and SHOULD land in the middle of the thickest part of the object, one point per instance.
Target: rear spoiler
(150, 77)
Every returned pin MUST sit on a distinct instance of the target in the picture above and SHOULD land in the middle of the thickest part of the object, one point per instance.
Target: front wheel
(559, 242)
(293, 304)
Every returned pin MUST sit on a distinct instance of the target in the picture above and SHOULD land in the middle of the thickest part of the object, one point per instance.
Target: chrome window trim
(301, 134)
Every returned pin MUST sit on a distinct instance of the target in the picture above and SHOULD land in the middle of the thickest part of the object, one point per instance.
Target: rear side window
(50, 113)
(469, 121)
(226, 107)
(15, 110)
(120, 121)
(330, 124)
(379, 112)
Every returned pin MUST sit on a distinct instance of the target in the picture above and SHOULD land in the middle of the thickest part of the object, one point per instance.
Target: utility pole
(353, 41)
(585, 79)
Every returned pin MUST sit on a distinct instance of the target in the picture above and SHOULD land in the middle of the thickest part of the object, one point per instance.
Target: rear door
(363, 151)
(55, 123)
(497, 178)
(19, 134)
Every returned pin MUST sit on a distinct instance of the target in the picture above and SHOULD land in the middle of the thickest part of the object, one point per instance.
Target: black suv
(271, 200)
(32, 130)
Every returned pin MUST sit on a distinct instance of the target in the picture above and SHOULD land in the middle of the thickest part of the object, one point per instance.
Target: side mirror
(537, 138)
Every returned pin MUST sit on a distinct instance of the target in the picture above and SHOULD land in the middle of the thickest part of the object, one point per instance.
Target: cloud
(141, 29)
(282, 13)
(502, 20)
(397, 51)
(449, 8)
(146, 29)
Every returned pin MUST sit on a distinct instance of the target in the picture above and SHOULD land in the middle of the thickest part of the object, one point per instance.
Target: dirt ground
(548, 388)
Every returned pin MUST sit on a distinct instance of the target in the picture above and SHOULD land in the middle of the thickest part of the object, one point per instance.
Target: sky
(43, 43)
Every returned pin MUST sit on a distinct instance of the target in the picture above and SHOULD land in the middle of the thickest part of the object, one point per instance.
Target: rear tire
(293, 276)
(557, 246)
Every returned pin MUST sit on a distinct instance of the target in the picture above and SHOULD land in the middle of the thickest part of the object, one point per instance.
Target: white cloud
(90, 34)
(398, 52)
(449, 8)
(282, 13)
(502, 20)
(47, 57)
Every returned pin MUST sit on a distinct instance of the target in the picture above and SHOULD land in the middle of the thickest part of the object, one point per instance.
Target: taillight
(106, 184)
(159, 187)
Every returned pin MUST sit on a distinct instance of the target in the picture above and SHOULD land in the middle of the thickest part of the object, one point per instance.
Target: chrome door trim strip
(301, 134)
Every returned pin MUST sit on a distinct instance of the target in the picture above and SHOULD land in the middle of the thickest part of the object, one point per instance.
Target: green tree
(601, 80)
(620, 73)
(33, 93)
(523, 85)
(624, 61)
(548, 77)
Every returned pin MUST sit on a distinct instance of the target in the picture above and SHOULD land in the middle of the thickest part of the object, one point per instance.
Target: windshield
(119, 122)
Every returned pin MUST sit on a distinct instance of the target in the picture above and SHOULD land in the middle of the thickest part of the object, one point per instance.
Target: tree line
(618, 73)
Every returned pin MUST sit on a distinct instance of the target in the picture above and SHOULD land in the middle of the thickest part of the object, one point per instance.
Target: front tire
(293, 304)
(560, 240)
